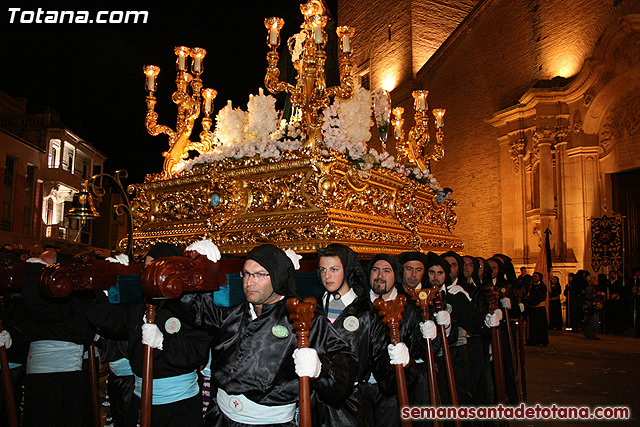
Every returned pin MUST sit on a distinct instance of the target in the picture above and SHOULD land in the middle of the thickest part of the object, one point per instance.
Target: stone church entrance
(626, 202)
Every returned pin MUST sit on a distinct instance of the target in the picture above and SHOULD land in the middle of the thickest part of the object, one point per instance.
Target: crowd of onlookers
(604, 303)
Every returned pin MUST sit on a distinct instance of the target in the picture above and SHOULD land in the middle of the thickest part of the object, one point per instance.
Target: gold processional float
(299, 183)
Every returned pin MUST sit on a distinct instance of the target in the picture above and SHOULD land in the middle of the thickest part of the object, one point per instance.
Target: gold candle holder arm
(345, 90)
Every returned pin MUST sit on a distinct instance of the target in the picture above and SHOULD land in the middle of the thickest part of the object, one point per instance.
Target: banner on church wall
(606, 242)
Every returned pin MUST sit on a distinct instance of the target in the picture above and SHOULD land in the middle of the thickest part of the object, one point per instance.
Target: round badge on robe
(236, 404)
(172, 325)
(351, 323)
(280, 331)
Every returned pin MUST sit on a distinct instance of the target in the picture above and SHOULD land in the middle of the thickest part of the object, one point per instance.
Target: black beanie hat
(279, 267)
(391, 260)
(405, 257)
(436, 260)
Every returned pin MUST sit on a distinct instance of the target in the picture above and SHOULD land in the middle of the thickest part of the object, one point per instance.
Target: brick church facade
(543, 112)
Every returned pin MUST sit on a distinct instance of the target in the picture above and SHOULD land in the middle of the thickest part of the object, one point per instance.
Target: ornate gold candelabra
(415, 149)
(189, 96)
(310, 93)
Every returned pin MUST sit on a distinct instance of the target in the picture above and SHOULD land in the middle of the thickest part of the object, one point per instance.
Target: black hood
(279, 267)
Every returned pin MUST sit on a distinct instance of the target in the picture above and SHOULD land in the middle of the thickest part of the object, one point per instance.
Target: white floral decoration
(345, 129)
(261, 118)
(230, 125)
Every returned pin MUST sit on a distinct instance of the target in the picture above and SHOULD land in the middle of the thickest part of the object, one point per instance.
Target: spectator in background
(555, 309)
(574, 292)
(614, 309)
(592, 307)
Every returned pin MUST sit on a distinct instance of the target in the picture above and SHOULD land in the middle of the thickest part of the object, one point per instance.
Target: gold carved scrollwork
(190, 203)
(298, 203)
(275, 193)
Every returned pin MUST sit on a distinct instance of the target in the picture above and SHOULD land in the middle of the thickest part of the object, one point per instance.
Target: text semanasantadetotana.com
(521, 412)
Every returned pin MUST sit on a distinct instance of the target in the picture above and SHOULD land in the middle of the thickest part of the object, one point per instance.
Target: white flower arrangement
(345, 131)
(261, 119)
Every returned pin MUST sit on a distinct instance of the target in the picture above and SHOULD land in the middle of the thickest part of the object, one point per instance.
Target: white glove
(443, 318)
(428, 329)
(307, 362)
(5, 339)
(499, 313)
(454, 289)
(207, 248)
(492, 320)
(119, 259)
(521, 305)
(506, 303)
(152, 336)
(294, 257)
(37, 261)
(398, 354)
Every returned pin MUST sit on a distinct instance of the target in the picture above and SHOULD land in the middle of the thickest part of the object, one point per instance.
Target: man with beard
(414, 277)
(384, 271)
(348, 307)
(255, 364)
(468, 318)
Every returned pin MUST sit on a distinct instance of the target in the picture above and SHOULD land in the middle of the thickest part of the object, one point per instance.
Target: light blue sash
(241, 409)
(170, 389)
(206, 371)
(49, 356)
(121, 367)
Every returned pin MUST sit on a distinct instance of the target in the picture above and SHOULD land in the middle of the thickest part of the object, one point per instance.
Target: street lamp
(82, 205)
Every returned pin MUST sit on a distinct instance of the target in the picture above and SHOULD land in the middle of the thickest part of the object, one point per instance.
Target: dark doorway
(626, 202)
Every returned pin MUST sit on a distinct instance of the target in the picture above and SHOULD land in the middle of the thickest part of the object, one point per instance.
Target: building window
(27, 223)
(365, 81)
(7, 194)
(535, 187)
(54, 154)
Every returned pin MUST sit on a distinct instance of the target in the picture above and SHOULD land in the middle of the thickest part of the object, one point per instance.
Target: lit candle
(438, 113)
(317, 34)
(182, 52)
(398, 122)
(346, 44)
(207, 103)
(151, 71)
(273, 25)
(345, 33)
(420, 97)
(198, 55)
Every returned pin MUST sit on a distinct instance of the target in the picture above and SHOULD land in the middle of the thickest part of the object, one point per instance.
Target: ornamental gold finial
(190, 98)
(310, 94)
(415, 149)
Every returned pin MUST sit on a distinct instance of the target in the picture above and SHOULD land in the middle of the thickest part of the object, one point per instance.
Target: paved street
(574, 371)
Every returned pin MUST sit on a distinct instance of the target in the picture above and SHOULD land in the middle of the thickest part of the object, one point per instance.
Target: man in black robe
(55, 384)
(255, 364)
(535, 300)
(347, 305)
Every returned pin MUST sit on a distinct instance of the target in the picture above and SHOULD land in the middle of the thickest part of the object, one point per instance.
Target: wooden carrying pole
(301, 314)
(10, 402)
(391, 312)
(512, 347)
(424, 298)
(93, 383)
(523, 377)
(448, 363)
(147, 375)
(491, 296)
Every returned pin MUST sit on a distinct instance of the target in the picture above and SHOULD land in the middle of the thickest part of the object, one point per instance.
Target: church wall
(504, 50)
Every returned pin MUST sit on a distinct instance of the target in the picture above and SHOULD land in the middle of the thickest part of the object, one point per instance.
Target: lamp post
(82, 207)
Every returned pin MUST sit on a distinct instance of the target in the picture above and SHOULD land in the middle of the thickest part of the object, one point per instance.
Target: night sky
(92, 73)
